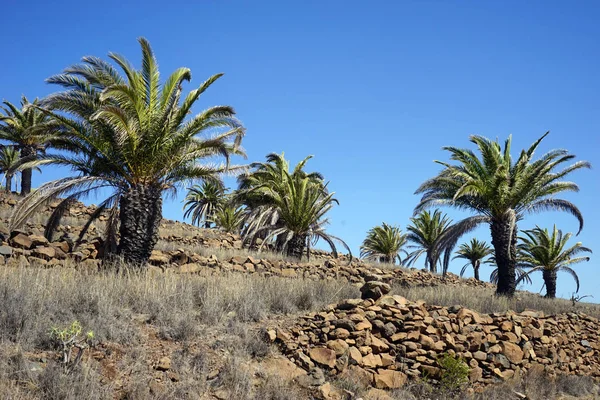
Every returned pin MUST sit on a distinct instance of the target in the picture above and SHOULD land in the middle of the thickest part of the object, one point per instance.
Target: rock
(354, 356)
(480, 356)
(323, 356)
(21, 241)
(389, 379)
(38, 240)
(374, 290)
(6, 251)
(158, 258)
(338, 346)
(164, 364)
(512, 351)
(372, 361)
(45, 253)
(378, 345)
(340, 333)
(282, 367)
(377, 394)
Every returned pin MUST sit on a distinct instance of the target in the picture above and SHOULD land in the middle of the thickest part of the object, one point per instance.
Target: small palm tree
(136, 136)
(425, 231)
(547, 252)
(30, 130)
(9, 161)
(229, 217)
(203, 201)
(474, 251)
(255, 188)
(383, 243)
(500, 192)
(294, 213)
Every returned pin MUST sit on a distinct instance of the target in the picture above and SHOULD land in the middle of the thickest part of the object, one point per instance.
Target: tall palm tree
(383, 243)
(425, 231)
(547, 252)
(294, 212)
(136, 136)
(203, 201)
(9, 161)
(29, 130)
(474, 251)
(501, 192)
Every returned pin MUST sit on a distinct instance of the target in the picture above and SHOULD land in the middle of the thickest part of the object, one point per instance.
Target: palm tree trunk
(476, 266)
(504, 240)
(386, 259)
(8, 183)
(296, 245)
(432, 264)
(26, 151)
(140, 215)
(550, 281)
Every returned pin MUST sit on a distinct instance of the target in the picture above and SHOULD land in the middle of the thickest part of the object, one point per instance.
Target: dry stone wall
(389, 341)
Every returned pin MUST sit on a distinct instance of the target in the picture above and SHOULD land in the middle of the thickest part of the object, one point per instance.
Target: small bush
(455, 372)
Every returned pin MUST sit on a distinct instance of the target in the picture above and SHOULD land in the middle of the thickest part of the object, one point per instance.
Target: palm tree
(30, 130)
(501, 192)
(229, 217)
(202, 202)
(134, 135)
(426, 231)
(255, 186)
(269, 173)
(546, 252)
(474, 251)
(383, 244)
(9, 161)
(294, 213)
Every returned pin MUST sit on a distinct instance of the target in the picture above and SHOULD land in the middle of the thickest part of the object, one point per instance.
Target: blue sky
(372, 89)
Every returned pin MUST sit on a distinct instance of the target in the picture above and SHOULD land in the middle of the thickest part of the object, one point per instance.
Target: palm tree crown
(135, 135)
(292, 209)
(474, 251)
(383, 244)
(203, 201)
(501, 192)
(9, 161)
(548, 252)
(425, 231)
(30, 130)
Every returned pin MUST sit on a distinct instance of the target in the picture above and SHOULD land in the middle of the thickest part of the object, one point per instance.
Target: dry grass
(181, 308)
(485, 301)
(35, 299)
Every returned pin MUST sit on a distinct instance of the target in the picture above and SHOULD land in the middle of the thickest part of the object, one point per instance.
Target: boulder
(389, 379)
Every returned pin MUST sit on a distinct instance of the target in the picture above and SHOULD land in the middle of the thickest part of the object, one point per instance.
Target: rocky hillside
(383, 341)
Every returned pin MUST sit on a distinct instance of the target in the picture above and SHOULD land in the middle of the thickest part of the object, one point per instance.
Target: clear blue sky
(372, 89)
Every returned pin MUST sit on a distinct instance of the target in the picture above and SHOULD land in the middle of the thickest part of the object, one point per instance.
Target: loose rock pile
(386, 341)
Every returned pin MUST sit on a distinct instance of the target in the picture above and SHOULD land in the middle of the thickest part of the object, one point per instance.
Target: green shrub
(455, 372)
